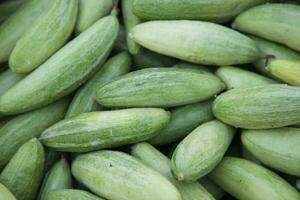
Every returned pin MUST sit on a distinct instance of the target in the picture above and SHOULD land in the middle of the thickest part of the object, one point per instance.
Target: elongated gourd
(15, 25)
(241, 178)
(91, 11)
(234, 77)
(272, 49)
(23, 174)
(201, 151)
(286, 70)
(151, 157)
(66, 70)
(116, 175)
(130, 21)
(269, 106)
(197, 42)
(184, 119)
(277, 148)
(217, 11)
(8, 79)
(44, 37)
(85, 98)
(59, 177)
(24, 127)
(105, 129)
(71, 194)
(276, 22)
(159, 87)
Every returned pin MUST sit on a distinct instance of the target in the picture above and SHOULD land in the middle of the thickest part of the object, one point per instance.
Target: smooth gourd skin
(276, 22)
(153, 158)
(90, 11)
(261, 107)
(201, 151)
(15, 25)
(8, 79)
(159, 87)
(85, 98)
(246, 180)
(198, 42)
(105, 172)
(268, 48)
(71, 194)
(23, 174)
(184, 119)
(130, 21)
(65, 71)
(286, 70)
(5, 194)
(59, 177)
(278, 148)
(105, 129)
(235, 77)
(22, 128)
(44, 37)
(217, 11)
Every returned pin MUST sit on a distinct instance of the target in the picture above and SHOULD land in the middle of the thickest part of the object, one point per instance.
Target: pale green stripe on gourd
(159, 87)
(91, 11)
(105, 129)
(235, 77)
(130, 21)
(277, 148)
(197, 42)
(248, 181)
(286, 70)
(154, 159)
(44, 37)
(72, 194)
(8, 79)
(201, 151)
(22, 128)
(59, 177)
(23, 174)
(269, 106)
(66, 70)
(184, 119)
(116, 175)
(207, 10)
(276, 22)
(9, 7)
(212, 188)
(148, 59)
(5, 194)
(267, 49)
(15, 25)
(85, 98)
